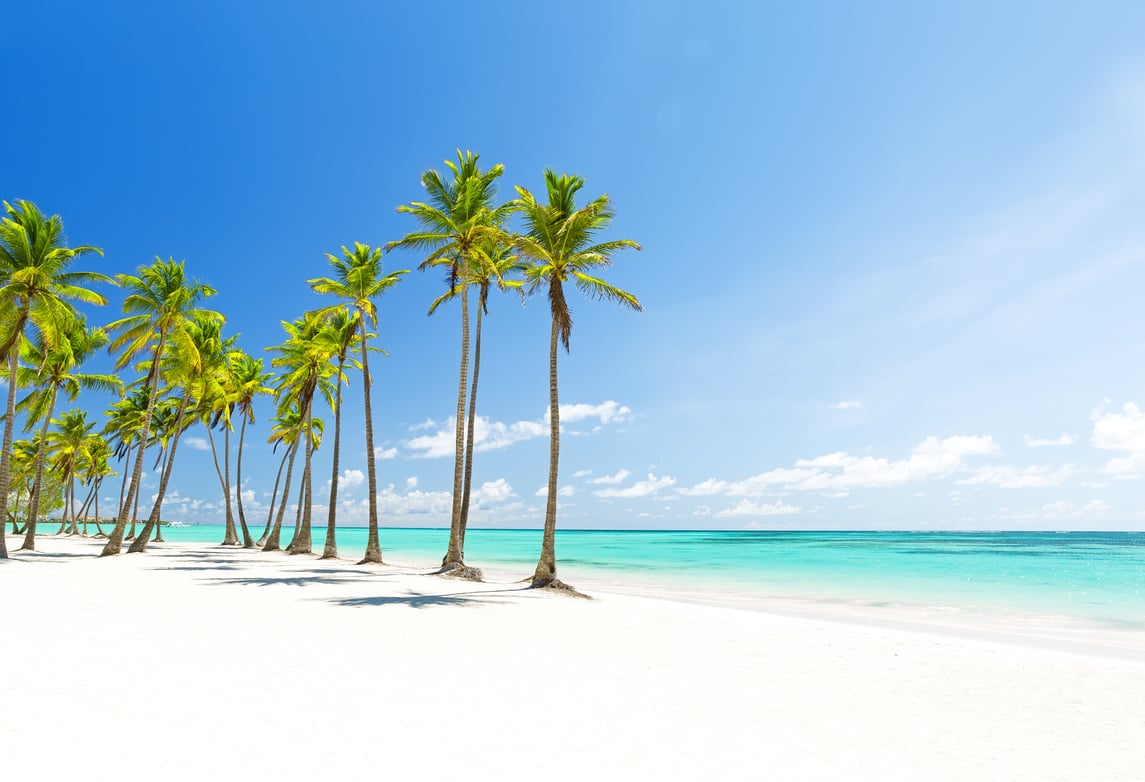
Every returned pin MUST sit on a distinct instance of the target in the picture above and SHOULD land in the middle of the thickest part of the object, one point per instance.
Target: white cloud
(196, 443)
(611, 479)
(492, 491)
(644, 488)
(582, 473)
(381, 453)
(1007, 477)
(1124, 432)
(1039, 442)
(847, 404)
(1062, 510)
(749, 508)
(351, 479)
(492, 435)
(562, 491)
(841, 471)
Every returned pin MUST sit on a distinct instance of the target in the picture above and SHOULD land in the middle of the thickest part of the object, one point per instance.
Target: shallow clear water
(1092, 576)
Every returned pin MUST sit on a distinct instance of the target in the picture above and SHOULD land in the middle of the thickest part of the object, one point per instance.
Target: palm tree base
(556, 585)
(372, 559)
(461, 571)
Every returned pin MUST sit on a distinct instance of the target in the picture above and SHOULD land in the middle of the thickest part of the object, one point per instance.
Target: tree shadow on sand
(416, 600)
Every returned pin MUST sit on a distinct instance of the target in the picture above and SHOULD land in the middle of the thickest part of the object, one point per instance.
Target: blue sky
(892, 263)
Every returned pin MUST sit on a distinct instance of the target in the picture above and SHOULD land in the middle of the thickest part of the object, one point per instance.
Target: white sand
(199, 662)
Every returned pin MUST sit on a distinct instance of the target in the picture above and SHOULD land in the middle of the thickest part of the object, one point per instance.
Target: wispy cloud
(1040, 442)
(197, 443)
(1007, 477)
(749, 508)
(618, 477)
(847, 404)
(645, 488)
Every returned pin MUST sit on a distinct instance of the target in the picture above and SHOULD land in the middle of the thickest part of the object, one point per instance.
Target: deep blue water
(1094, 576)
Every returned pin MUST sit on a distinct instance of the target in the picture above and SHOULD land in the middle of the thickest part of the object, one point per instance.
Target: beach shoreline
(239, 654)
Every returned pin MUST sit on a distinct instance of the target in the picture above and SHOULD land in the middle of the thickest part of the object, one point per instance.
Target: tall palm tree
(160, 300)
(456, 224)
(246, 380)
(36, 290)
(501, 262)
(561, 243)
(305, 357)
(359, 279)
(284, 427)
(341, 332)
(55, 373)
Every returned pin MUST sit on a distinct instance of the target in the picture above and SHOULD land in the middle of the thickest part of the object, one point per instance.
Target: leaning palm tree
(160, 300)
(56, 372)
(456, 225)
(560, 241)
(358, 278)
(294, 439)
(501, 262)
(36, 291)
(245, 380)
(66, 445)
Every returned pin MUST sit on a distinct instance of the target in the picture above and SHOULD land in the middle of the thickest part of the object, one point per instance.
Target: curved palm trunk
(272, 543)
(230, 536)
(115, 540)
(373, 547)
(34, 500)
(453, 554)
(546, 572)
(248, 541)
(273, 499)
(98, 529)
(140, 544)
(330, 550)
(463, 523)
(298, 508)
(302, 542)
(6, 455)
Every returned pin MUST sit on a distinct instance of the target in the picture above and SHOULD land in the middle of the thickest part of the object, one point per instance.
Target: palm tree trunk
(453, 555)
(6, 455)
(140, 544)
(34, 500)
(302, 542)
(115, 541)
(272, 542)
(248, 541)
(230, 536)
(298, 508)
(463, 523)
(373, 546)
(98, 529)
(273, 499)
(330, 550)
(546, 572)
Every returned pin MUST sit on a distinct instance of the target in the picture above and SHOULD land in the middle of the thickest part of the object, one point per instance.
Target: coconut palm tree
(359, 279)
(501, 262)
(246, 380)
(561, 243)
(160, 300)
(54, 371)
(66, 445)
(305, 358)
(293, 439)
(96, 467)
(36, 291)
(456, 225)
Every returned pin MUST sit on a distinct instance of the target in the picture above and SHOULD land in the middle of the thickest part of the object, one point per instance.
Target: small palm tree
(560, 241)
(55, 372)
(66, 445)
(36, 290)
(359, 279)
(245, 380)
(456, 225)
(160, 300)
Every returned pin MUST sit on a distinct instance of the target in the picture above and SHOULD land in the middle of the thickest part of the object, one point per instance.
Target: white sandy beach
(202, 662)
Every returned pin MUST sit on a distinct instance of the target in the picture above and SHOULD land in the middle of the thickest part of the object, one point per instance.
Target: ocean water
(1092, 577)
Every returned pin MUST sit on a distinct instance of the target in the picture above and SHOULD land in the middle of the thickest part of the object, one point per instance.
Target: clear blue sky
(892, 263)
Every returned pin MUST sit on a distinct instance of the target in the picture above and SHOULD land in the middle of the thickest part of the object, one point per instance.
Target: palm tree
(96, 467)
(36, 289)
(341, 331)
(293, 439)
(246, 380)
(358, 278)
(456, 225)
(561, 243)
(55, 373)
(67, 445)
(501, 261)
(305, 355)
(160, 300)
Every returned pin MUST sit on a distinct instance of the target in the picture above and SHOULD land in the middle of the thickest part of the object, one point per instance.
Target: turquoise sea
(1093, 577)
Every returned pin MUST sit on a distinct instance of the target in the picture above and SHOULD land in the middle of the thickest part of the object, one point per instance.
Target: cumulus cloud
(645, 488)
(1040, 442)
(196, 443)
(562, 491)
(1124, 432)
(840, 471)
(351, 479)
(492, 435)
(381, 453)
(847, 404)
(612, 479)
(749, 508)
